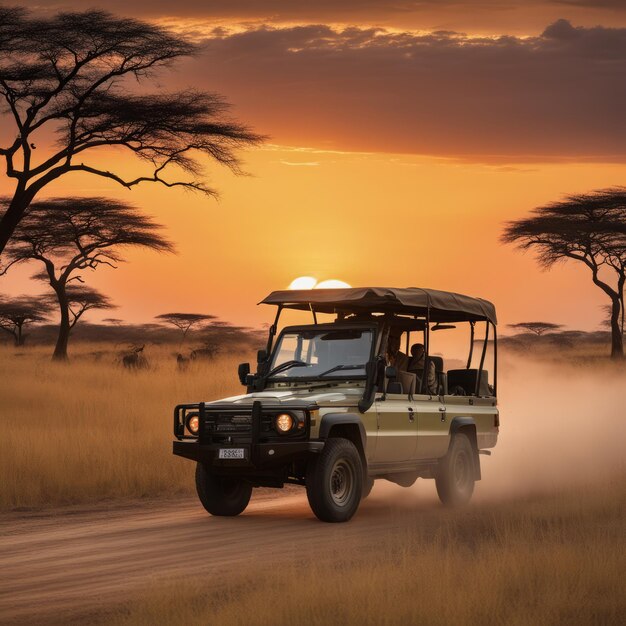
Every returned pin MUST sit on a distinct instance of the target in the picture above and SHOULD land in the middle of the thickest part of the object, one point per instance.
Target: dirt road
(76, 563)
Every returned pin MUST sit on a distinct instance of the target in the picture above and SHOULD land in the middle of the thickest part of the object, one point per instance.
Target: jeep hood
(337, 397)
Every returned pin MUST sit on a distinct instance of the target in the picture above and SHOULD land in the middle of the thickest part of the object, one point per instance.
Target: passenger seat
(442, 378)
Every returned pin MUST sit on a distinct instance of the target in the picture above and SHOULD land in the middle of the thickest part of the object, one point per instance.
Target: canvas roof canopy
(443, 306)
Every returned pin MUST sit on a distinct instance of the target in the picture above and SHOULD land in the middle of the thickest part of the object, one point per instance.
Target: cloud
(300, 163)
(560, 95)
(494, 16)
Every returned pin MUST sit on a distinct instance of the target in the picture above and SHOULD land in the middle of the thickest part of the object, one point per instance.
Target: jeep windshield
(321, 354)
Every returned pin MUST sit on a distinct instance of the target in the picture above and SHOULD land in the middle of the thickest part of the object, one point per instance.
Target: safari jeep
(334, 406)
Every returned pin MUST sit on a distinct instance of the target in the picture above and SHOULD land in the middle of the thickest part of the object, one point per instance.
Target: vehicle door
(370, 424)
(432, 427)
(397, 429)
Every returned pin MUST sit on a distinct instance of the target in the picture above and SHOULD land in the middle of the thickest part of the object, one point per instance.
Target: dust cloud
(562, 425)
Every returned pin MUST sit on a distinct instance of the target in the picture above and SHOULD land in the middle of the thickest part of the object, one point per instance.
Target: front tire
(222, 495)
(456, 475)
(368, 485)
(334, 481)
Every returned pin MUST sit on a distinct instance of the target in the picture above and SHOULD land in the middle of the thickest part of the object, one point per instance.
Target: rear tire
(334, 481)
(222, 495)
(455, 477)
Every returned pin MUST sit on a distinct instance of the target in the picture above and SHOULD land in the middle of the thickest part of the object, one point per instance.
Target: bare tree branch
(67, 74)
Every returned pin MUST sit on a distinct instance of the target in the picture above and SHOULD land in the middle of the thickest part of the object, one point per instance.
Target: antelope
(135, 359)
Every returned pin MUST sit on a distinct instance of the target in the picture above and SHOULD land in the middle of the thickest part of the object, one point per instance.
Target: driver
(395, 357)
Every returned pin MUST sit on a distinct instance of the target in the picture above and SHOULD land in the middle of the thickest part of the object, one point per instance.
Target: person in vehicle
(395, 357)
(416, 366)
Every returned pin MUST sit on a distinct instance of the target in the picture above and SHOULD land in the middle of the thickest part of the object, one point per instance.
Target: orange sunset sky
(401, 136)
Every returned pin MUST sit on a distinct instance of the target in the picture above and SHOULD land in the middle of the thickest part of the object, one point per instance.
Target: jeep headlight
(193, 423)
(284, 422)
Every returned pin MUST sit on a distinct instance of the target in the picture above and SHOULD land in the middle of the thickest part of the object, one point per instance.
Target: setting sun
(308, 282)
(331, 284)
(303, 282)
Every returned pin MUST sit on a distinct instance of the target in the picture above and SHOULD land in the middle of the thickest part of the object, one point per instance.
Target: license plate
(231, 453)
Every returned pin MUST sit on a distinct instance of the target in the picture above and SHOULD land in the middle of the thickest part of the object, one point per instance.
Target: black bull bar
(257, 455)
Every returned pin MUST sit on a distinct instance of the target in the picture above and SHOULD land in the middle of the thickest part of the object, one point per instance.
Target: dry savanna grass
(90, 430)
(556, 560)
(542, 543)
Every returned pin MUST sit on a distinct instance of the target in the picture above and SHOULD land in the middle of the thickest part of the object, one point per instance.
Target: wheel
(455, 477)
(334, 481)
(222, 495)
(368, 485)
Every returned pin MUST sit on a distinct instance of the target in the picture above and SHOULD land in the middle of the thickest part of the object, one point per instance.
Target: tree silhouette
(113, 321)
(184, 321)
(538, 328)
(80, 299)
(69, 74)
(589, 228)
(18, 312)
(606, 322)
(71, 235)
(221, 334)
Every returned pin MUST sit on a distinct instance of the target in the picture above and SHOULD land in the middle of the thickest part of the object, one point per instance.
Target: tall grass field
(90, 430)
(542, 543)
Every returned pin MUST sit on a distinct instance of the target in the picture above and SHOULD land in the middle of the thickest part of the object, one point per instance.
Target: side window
(458, 355)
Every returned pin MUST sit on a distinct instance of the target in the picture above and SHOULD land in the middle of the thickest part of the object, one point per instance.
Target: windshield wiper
(285, 366)
(337, 368)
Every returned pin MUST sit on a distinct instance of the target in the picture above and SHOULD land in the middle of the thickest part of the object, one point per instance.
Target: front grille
(229, 423)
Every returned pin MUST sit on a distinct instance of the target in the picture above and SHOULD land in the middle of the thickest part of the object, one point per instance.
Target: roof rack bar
(273, 328)
(426, 349)
(482, 358)
(495, 360)
(471, 350)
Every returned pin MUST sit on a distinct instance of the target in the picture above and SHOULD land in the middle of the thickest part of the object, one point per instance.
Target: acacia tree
(71, 235)
(606, 322)
(18, 312)
(589, 228)
(69, 74)
(184, 321)
(538, 328)
(80, 299)
(113, 321)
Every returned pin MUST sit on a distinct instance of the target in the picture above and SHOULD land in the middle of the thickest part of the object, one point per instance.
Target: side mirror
(391, 372)
(243, 371)
(261, 356)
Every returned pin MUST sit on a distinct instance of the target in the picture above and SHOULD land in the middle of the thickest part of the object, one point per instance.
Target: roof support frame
(482, 358)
